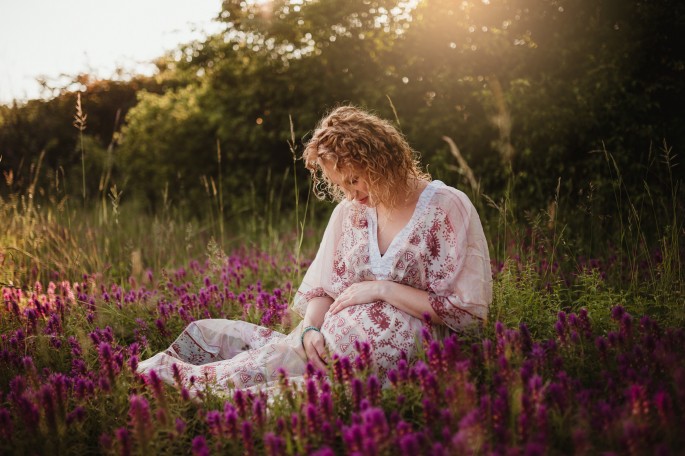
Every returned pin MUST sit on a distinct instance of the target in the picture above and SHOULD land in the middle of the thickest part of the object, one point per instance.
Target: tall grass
(536, 262)
(44, 237)
(80, 123)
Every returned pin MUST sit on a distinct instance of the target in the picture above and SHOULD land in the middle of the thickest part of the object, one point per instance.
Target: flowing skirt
(230, 354)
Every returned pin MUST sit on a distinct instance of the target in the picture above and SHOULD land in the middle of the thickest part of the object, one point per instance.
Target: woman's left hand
(358, 293)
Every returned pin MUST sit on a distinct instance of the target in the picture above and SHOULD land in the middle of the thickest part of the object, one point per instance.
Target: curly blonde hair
(356, 141)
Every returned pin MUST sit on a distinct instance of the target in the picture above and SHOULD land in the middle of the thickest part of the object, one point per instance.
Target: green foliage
(39, 126)
(167, 142)
(524, 87)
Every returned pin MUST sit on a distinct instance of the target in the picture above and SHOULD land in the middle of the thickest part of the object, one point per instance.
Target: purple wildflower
(275, 445)
(312, 418)
(49, 406)
(617, 312)
(259, 411)
(28, 411)
(312, 391)
(78, 414)
(231, 420)
(104, 384)
(374, 389)
(157, 387)
(133, 363)
(240, 402)
(5, 423)
(357, 392)
(199, 446)
(327, 404)
(247, 437)
(180, 426)
(124, 440)
(139, 414)
(324, 451)
(409, 445)
(438, 450)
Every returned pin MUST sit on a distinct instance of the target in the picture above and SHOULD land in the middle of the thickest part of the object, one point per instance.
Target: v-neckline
(380, 262)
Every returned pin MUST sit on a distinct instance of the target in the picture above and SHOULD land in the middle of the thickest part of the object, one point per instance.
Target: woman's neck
(409, 200)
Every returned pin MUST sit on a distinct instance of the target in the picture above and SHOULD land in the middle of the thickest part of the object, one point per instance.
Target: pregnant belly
(388, 330)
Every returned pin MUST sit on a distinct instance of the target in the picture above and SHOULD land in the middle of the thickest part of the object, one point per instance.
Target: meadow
(580, 355)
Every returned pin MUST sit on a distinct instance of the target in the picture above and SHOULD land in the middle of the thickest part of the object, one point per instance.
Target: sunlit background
(40, 39)
(524, 88)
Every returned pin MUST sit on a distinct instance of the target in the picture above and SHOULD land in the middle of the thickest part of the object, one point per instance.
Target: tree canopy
(525, 88)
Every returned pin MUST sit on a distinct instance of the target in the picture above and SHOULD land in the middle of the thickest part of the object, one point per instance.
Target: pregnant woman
(398, 246)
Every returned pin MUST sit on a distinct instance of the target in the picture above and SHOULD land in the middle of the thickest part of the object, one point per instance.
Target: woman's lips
(363, 200)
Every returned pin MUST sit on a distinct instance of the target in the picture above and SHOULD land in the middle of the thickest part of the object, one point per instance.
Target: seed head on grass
(80, 124)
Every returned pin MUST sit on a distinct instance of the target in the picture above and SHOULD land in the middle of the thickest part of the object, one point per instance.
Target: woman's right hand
(315, 348)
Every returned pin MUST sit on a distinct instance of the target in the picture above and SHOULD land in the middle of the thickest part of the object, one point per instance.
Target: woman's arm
(313, 341)
(411, 300)
(316, 309)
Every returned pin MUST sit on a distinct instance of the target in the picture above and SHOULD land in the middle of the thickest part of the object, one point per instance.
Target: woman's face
(352, 183)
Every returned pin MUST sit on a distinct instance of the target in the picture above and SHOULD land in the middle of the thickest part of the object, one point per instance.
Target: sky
(52, 37)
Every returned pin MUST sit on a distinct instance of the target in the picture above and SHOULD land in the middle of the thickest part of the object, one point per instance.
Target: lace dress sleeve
(317, 279)
(461, 284)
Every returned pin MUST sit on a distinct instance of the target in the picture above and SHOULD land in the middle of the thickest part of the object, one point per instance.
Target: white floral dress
(441, 250)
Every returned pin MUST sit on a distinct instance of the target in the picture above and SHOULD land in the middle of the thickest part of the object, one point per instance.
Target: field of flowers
(577, 374)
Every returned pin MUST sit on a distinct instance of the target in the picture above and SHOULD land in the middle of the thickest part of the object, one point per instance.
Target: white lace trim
(381, 266)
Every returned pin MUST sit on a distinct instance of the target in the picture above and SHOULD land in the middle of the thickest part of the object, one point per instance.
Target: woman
(397, 247)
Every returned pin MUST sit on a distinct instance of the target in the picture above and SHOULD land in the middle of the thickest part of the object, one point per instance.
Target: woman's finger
(337, 308)
(313, 357)
(321, 351)
(318, 362)
(314, 347)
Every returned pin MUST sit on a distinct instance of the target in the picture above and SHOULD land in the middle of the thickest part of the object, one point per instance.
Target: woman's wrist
(316, 310)
(305, 330)
(385, 290)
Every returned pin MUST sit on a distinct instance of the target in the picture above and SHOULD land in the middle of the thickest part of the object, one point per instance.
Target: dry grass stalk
(502, 121)
(80, 124)
(463, 166)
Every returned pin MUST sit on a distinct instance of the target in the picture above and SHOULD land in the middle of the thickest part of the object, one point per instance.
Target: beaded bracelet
(308, 328)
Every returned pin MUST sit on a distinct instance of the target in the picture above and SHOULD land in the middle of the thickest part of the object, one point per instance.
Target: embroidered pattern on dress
(453, 315)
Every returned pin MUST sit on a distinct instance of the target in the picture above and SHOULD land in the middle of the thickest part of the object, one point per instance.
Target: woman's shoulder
(450, 198)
